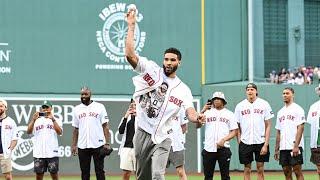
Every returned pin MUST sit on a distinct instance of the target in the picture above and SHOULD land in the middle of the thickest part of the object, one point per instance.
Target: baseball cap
(46, 103)
(4, 102)
(251, 85)
(219, 95)
(317, 89)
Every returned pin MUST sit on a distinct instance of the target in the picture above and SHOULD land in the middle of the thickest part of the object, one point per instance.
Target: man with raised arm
(159, 95)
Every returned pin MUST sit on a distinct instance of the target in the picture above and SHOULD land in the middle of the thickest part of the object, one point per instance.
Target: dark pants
(85, 161)
(223, 157)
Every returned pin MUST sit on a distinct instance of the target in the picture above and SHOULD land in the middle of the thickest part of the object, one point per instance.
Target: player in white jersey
(220, 128)
(159, 95)
(314, 120)
(8, 140)
(178, 138)
(90, 138)
(289, 139)
(45, 128)
(253, 115)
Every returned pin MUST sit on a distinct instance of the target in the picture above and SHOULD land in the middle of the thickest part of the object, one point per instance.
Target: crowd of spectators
(300, 76)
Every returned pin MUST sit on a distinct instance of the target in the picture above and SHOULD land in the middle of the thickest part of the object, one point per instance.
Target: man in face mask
(90, 137)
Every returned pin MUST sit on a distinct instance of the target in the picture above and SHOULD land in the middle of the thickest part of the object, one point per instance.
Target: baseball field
(269, 176)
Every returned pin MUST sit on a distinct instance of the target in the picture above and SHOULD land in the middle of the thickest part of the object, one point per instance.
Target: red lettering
(246, 111)
(148, 79)
(313, 114)
(175, 100)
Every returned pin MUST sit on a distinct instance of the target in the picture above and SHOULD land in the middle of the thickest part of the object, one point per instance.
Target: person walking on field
(91, 136)
(45, 130)
(289, 139)
(127, 128)
(8, 140)
(159, 95)
(253, 115)
(220, 128)
(313, 119)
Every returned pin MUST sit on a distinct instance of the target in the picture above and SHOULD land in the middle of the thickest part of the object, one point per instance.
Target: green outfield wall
(58, 46)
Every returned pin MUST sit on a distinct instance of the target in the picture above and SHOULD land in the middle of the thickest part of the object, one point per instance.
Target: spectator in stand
(316, 73)
(283, 76)
(273, 77)
(299, 80)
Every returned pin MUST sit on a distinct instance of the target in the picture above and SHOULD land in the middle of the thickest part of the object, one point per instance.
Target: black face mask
(85, 100)
(170, 72)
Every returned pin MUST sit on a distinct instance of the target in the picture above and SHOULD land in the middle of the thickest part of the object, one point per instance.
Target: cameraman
(220, 128)
(45, 129)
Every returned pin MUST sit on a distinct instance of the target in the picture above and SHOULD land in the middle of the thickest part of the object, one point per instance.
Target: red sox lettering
(289, 117)
(148, 79)
(221, 119)
(49, 126)
(247, 111)
(91, 114)
(175, 100)
(8, 127)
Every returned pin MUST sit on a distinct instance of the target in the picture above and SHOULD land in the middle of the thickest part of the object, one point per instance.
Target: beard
(170, 70)
(85, 100)
(1, 113)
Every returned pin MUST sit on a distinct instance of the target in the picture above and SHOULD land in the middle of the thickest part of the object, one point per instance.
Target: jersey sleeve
(277, 122)
(232, 122)
(60, 124)
(14, 135)
(312, 114)
(145, 65)
(237, 114)
(104, 115)
(268, 113)
(182, 116)
(75, 120)
(300, 117)
(187, 102)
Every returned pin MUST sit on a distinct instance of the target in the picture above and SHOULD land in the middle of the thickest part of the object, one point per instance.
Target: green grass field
(238, 177)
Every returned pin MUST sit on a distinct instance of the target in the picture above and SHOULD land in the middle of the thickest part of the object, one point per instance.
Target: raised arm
(130, 52)
(31, 122)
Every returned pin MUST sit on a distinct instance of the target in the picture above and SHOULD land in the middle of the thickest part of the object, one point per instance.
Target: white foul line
(4, 44)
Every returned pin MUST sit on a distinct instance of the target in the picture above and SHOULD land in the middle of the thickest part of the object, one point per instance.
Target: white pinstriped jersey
(288, 119)
(89, 120)
(45, 138)
(252, 117)
(218, 125)
(313, 119)
(156, 106)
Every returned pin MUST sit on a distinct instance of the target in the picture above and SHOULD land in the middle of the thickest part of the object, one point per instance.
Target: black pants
(209, 160)
(85, 161)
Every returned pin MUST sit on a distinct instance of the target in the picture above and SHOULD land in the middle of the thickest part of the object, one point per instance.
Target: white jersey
(218, 125)
(177, 136)
(313, 119)
(288, 119)
(45, 139)
(252, 117)
(158, 98)
(8, 134)
(89, 120)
